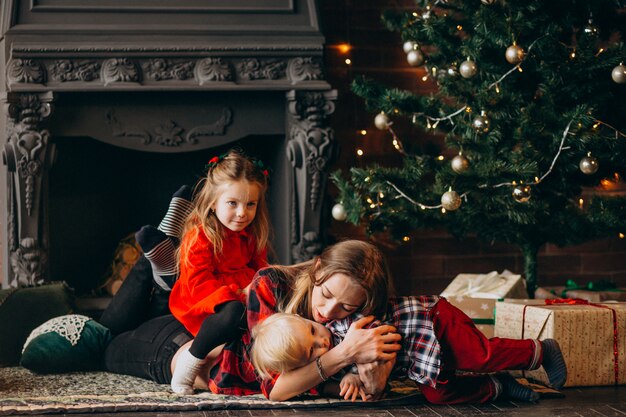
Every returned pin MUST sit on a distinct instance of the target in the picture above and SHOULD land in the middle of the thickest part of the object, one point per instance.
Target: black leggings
(147, 351)
(137, 300)
(224, 326)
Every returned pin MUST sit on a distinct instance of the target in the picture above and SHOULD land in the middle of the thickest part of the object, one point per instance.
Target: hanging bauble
(381, 121)
(588, 164)
(451, 200)
(481, 123)
(521, 193)
(619, 74)
(468, 68)
(459, 164)
(514, 54)
(408, 46)
(590, 29)
(415, 57)
(339, 212)
(488, 2)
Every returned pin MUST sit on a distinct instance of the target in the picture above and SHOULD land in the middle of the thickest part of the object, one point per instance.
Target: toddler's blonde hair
(276, 346)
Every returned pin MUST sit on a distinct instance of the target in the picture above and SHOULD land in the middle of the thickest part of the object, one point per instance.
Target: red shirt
(206, 280)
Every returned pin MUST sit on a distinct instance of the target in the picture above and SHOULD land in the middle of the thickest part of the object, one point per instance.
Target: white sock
(187, 368)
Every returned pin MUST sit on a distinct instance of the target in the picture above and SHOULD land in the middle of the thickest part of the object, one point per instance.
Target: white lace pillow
(65, 344)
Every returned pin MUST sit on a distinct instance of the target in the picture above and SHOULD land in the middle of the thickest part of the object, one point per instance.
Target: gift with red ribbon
(592, 336)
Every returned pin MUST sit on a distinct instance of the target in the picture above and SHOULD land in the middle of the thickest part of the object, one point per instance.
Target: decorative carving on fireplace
(202, 77)
(158, 70)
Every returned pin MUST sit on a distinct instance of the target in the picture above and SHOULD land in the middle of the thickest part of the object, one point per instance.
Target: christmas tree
(530, 101)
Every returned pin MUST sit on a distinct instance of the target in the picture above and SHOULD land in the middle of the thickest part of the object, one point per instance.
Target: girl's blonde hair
(361, 261)
(232, 167)
(276, 346)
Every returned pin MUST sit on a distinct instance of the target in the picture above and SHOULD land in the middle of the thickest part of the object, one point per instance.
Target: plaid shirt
(234, 374)
(419, 358)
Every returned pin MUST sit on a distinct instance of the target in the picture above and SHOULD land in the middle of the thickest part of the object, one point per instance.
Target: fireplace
(108, 108)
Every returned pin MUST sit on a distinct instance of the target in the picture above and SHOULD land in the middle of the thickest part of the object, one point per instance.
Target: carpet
(24, 392)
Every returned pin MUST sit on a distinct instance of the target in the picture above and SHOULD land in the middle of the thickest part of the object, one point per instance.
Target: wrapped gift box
(492, 285)
(476, 295)
(480, 310)
(618, 294)
(584, 332)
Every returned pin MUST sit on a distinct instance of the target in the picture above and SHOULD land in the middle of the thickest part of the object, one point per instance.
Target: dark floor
(580, 402)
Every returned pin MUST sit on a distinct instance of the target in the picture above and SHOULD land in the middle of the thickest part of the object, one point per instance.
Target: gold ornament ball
(619, 74)
(339, 212)
(589, 165)
(468, 69)
(481, 123)
(415, 58)
(514, 54)
(459, 164)
(381, 121)
(408, 46)
(450, 200)
(521, 193)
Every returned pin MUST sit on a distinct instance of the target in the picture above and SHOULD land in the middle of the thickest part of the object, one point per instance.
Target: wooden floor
(579, 402)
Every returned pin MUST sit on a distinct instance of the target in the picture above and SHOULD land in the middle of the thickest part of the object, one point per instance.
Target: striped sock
(514, 390)
(553, 363)
(160, 251)
(180, 206)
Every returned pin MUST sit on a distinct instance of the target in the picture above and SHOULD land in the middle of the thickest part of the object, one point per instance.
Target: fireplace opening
(99, 193)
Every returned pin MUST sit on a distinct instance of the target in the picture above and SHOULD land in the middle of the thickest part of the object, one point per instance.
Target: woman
(347, 277)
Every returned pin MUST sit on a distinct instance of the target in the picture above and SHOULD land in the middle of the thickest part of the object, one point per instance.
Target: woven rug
(24, 392)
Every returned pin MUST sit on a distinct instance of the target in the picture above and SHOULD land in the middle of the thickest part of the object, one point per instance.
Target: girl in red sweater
(224, 243)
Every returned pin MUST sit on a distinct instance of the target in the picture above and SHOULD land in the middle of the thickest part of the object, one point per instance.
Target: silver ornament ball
(415, 58)
(514, 54)
(481, 123)
(468, 69)
(589, 165)
(619, 74)
(339, 212)
(488, 2)
(381, 121)
(521, 193)
(450, 200)
(408, 46)
(460, 164)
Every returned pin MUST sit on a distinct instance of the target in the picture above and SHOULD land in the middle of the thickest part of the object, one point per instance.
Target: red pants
(465, 348)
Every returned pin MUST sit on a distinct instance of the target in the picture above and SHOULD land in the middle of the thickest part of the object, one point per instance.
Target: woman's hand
(374, 377)
(351, 388)
(370, 345)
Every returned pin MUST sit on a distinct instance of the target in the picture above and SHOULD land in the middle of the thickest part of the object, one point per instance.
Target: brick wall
(430, 259)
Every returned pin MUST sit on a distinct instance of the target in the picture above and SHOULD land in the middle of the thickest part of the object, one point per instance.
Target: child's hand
(351, 388)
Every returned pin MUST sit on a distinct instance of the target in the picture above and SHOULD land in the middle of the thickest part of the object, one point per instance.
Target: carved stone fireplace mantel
(160, 78)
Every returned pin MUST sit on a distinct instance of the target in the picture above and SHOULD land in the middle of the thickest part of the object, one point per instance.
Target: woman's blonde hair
(276, 346)
(232, 167)
(361, 261)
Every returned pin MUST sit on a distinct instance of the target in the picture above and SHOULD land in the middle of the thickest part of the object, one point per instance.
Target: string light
(406, 238)
(348, 61)
(581, 202)
(359, 152)
(363, 132)
(344, 48)
(621, 235)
